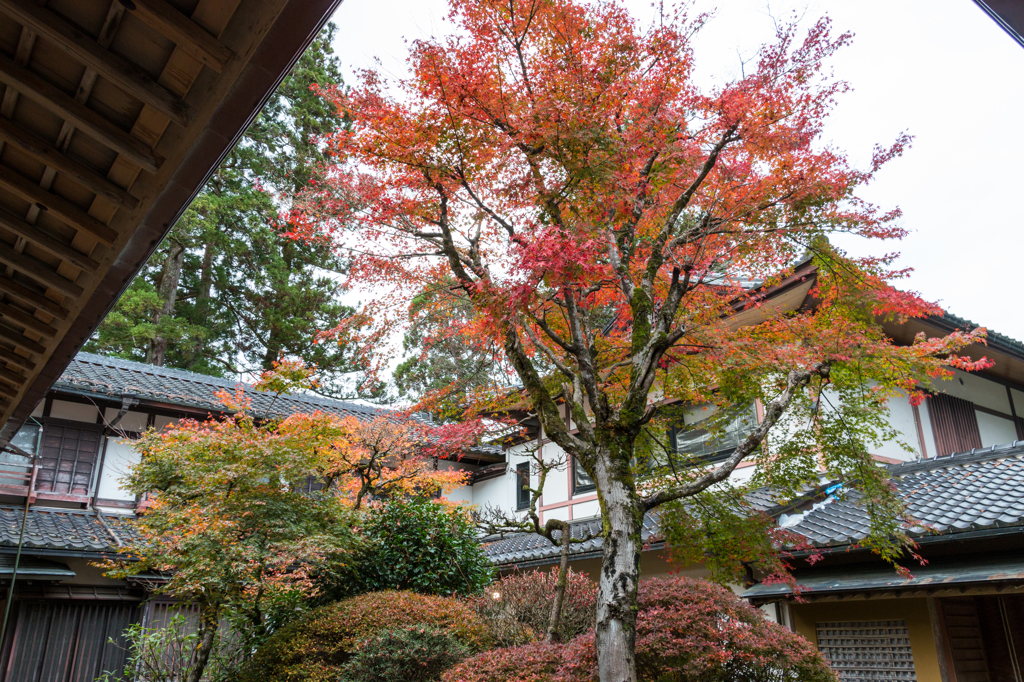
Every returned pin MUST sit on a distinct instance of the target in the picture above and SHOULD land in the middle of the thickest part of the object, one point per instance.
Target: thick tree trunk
(620, 575)
(555, 621)
(209, 622)
(168, 291)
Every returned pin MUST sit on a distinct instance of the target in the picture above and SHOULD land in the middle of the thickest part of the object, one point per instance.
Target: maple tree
(625, 237)
(233, 517)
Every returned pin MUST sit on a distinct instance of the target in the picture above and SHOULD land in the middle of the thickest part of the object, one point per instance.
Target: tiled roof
(520, 548)
(116, 378)
(98, 374)
(977, 490)
(77, 530)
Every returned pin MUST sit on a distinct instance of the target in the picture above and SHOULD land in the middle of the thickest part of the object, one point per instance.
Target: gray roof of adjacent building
(65, 530)
(117, 378)
(980, 490)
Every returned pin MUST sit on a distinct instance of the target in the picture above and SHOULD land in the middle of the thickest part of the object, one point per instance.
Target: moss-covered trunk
(622, 516)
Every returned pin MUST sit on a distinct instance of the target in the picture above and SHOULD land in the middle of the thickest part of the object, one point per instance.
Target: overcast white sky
(940, 69)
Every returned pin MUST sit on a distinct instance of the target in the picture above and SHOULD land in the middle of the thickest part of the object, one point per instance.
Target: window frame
(96, 463)
(577, 487)
(718, 455)
(523, 488)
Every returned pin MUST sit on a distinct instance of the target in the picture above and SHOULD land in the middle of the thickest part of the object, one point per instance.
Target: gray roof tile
(114, 377)
(963, 492)
(78, 530)
(974, 490)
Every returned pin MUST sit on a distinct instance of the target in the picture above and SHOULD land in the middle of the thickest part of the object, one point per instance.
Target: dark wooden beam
(85, 49)
(39, 271)
(10, 357)
(56, 101)
(57, 205)
(27, 296)
(186, 34)
(49, 155)
(11, 377)
(25, 320)
(12, 223)
(15, 337)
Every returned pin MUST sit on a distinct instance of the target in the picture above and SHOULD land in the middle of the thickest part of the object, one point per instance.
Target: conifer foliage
(226, 291)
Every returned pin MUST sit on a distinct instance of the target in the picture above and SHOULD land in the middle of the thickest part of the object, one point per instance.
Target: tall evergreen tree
(226, 292)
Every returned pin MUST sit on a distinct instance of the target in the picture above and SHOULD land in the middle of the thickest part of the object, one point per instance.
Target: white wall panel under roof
(995, 430)
(1018, 402)
(977, 389)
(119, 457)
(131, 421)
(498, 491)
(901, 418)
(583, 510)
(930, 448)
(79, 412)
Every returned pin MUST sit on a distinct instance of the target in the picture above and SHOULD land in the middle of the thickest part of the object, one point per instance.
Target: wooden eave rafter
(112, 115)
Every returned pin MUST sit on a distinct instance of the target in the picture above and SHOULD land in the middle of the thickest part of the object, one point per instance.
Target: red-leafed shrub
(536, 662)
(694, 630)
(687, 631)
(317, 647)
(520, 612)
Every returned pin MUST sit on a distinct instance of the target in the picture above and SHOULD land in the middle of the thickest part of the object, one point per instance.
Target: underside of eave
(1009, 360)
(112, 116)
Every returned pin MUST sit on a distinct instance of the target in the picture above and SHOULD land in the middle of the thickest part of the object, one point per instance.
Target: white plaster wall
(586, 509)
(556, 487)
(901, 418)
(561, 513)
(118, 458)
(1018, 401)
(977, 389)
(38, 412)
(995, 430)
(131, 421)
(463, 494)
(79, 412)
(931, 449)
(160, 422)
(495, 491)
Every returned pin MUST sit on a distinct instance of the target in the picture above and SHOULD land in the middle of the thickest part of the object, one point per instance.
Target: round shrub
(415, 654)
(317, 647)
(534, 662)
(695, 630)
(522, 608)
(687, 631)
(415, 544)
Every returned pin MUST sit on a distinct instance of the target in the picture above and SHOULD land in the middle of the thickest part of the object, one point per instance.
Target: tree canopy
(623, 237)
(226, 292)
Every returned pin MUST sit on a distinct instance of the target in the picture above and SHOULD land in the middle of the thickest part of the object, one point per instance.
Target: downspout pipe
(21, 541)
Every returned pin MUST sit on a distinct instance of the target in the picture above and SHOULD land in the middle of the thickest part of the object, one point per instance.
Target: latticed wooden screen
(868, 650)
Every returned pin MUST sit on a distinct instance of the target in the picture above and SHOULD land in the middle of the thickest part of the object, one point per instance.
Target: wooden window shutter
(68, 457)
(954, 424)
(862, 651)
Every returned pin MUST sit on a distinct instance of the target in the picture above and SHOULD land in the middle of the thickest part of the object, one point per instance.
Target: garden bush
(687, 631)
(412, 654)
(413, 544)
(317, 647)
(521, 612)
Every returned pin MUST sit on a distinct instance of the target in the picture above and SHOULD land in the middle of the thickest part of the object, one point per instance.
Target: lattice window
(68, 458)
(868, 650)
